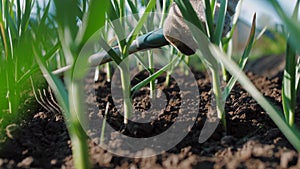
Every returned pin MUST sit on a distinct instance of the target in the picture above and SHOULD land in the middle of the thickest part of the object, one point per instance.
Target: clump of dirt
(252, 139)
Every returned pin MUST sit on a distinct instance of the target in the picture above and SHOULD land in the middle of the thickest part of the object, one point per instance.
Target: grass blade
(139, 26)
(144, 64)
(209, 19)
(298, 76)
(97, 9)
(26, 16)
(220, 24)
(79, 146)
(297, 82)
(244, 58)
(43, 23)
(35, 67)
(110, 51)
(133, 9)
(56, 85)
(67, 12)
(288, 86)
(114, 15)
(151, 78)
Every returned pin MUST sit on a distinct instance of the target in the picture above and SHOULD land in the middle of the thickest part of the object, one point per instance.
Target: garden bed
(252, 140)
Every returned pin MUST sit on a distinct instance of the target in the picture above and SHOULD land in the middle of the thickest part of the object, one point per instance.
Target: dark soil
(252, 139)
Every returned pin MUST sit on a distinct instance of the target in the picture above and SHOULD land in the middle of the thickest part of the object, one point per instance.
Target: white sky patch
(266, 15)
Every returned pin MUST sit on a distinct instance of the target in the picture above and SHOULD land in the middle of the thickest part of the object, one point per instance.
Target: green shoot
(291, 133)
(213, 32)
(289, 84)
(298, 76)
(243, 59)
(211, 52)
(69, 94)
(210, 19)
(124, 45)
(154, 76)
(220, 24)
(17, 63)
(169, 72)
(151, 68)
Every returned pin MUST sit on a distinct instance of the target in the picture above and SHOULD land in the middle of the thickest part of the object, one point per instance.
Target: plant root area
(252, 140)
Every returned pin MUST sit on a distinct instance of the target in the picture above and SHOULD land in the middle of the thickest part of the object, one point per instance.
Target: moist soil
(252, 140)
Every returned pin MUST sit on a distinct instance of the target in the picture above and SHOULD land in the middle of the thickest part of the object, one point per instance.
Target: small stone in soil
(25, 163)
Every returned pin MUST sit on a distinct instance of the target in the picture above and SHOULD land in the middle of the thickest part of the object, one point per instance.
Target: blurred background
(267, 21)
(273, 53)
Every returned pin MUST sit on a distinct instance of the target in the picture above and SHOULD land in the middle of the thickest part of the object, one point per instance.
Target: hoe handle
(154, 39)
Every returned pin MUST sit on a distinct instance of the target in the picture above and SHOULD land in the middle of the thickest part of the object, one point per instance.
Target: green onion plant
(117, 11)
(18, 26)
(68, 91)
(213, 32)
(13, 30)
(290, 83)
(214, 55)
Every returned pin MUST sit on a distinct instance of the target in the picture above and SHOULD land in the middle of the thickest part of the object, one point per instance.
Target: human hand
(177, 32)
